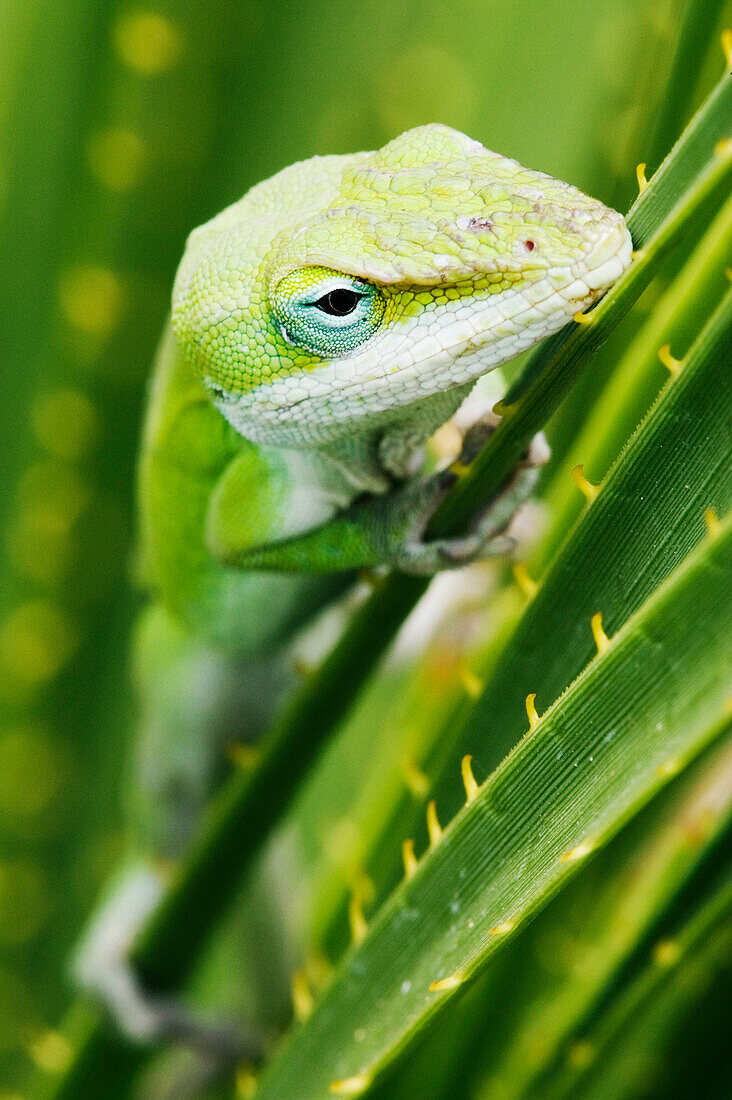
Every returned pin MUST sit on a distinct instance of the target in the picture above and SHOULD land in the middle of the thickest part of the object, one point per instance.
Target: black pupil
(339, 303)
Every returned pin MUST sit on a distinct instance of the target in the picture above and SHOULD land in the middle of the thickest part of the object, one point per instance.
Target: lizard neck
(373, 452)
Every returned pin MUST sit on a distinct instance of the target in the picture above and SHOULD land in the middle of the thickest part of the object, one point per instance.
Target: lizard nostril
(529, 246)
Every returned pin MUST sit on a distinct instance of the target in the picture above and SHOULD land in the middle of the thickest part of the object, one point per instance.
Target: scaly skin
(336, 316)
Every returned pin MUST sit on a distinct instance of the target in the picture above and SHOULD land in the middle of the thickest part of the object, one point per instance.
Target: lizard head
(347, 288)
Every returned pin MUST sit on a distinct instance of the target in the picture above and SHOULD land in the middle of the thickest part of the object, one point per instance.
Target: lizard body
(323, 327)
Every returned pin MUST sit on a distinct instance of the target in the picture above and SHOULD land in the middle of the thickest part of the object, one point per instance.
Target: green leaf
(627, 1046)
(660, 502)
(644, 707)
(561, 968)
(515, 1022)
(691, 47)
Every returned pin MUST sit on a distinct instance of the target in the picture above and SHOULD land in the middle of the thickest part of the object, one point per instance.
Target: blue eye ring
(326, 313)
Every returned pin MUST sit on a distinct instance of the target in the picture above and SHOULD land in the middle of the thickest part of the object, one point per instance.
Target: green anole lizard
(323, 327)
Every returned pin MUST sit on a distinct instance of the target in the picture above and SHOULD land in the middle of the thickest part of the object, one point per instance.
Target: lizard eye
(325, 312)
(339, 303)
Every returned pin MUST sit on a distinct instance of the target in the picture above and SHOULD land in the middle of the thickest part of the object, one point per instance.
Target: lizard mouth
(609, 257)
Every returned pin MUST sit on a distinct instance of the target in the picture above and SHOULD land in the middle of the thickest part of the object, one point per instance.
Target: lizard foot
(102, 968)
(488, 535)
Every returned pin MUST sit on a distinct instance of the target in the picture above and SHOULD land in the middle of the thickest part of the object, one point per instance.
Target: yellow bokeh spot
(92, 299)
(302, 996)
(351, 1086)
(32, 772)
(66, 423)
(117, 158)
(52, 498)
(51, 1051)
(246, 1083)
(24, 901)
(471, 682)
(45, 560)
(55, 493)
(416, 780)
(148, 43)
(666, 953)
(580, 1054)
(37, 638)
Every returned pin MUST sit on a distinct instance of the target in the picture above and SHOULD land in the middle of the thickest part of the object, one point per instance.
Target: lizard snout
(610, 255)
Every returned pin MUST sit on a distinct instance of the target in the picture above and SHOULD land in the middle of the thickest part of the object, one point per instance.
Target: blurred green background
(122, 126)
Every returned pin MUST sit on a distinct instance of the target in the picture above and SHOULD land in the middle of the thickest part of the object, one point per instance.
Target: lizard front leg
(406, 546)
(389, 528)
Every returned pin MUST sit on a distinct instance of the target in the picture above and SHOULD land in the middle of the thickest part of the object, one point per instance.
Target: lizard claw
(488, 534)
